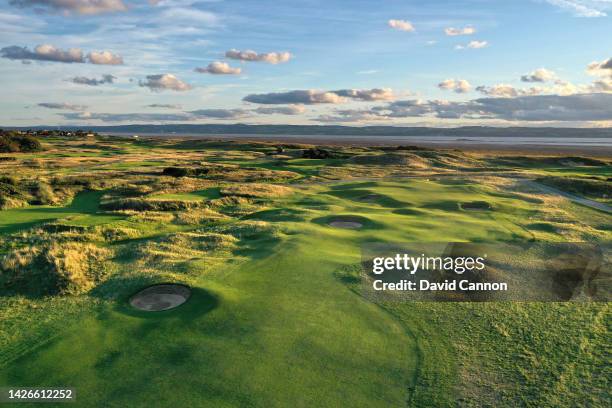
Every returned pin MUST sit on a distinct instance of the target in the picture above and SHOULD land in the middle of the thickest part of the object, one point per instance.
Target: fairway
(283, 327)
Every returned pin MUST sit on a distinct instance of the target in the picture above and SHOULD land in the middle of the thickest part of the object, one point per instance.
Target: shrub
(44, 193)
(317, 153)
(183, 171)
(11, 142)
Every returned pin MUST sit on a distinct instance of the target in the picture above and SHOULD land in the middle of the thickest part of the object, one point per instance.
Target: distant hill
(238, 129)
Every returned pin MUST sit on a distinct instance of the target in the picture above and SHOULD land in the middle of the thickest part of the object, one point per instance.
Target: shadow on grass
(367, 197)
(278, 214)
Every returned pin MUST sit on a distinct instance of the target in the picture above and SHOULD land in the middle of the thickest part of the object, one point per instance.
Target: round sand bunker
(160, 297)
(346, 223)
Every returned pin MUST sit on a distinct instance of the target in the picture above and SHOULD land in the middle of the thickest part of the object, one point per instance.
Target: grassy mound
(596, 189)
(394, 159)
(140, 204)
(256, 190)
(67, 269)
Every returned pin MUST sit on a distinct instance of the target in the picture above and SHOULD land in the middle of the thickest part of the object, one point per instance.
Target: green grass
(280, 319)
(82, 211)
(207, 194)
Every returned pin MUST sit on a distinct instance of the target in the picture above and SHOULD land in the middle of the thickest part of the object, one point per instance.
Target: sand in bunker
(345, 222)
(160, 297)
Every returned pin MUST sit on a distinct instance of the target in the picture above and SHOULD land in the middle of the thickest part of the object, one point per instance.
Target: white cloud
(472, 44)
(81, 80)
(507, 91)
(164, 82)
(312, 96)
(281, 110)
(452, 31)
(219, 68)
(62, 106)
(583, 8)
(374, 94)
(250, 55)
(74, 6)
(44, 52)
(530, 108)
(306, 97)
(104, 58)
(603, 68)
(401, 25)
(456, 85)
(477, 44)
(48, 52)
(164, 106)
(602, 85)
(218, 113)
(174, 14)
(539, 75)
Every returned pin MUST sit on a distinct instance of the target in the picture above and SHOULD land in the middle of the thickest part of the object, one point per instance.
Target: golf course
(267, 237)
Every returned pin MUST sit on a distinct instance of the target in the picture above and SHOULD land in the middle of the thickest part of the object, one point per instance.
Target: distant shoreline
(600, 147)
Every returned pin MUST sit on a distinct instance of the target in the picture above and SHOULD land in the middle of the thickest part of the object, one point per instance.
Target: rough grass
(256, 190)
(68, 268)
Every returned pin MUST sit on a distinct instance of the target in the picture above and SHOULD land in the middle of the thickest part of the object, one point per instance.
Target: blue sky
(439, 63)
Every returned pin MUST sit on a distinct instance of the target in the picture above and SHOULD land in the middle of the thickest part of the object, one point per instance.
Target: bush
(316, 153)
(44, 194)
(183, 171)
(11, 142)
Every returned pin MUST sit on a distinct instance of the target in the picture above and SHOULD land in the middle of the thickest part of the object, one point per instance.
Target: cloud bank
(48, 52)
(312, 96)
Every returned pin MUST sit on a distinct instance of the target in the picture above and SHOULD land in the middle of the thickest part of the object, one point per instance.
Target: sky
(343, 62)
